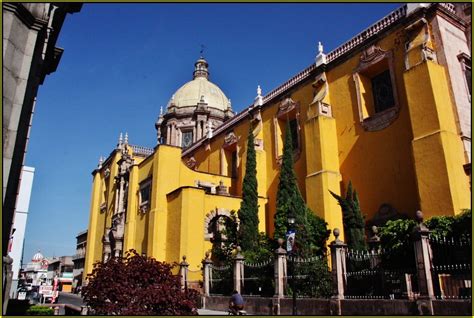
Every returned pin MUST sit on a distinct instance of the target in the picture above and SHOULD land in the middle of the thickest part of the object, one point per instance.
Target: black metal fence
(221, 281)
(371, 275)
(312, 277)
(451, 267)
(259, 278)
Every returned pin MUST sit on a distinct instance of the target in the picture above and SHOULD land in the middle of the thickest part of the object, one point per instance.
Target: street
(76, 300)
(68, 298)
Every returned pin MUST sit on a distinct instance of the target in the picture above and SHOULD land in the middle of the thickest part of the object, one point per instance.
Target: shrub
(40, 311)
(137, 285)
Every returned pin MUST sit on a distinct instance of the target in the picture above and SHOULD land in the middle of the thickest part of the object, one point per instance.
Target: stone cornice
(24, 15)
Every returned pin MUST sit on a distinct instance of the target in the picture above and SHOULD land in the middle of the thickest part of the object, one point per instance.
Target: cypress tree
(352, 219)
(311, 231)
(248, 213)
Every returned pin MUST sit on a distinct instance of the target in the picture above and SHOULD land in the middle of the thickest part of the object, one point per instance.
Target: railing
(452, 267)
(140, 150)
(374, 275)
(221, 280)
(259, 278)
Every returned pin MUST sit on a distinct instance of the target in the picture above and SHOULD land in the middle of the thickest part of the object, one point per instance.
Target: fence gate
(221, 280)
(259, 279)
(378, 274)
(451, 267)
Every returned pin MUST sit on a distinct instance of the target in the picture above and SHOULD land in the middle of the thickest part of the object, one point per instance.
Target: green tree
(311, 231)
(248, 213)
(353, 221)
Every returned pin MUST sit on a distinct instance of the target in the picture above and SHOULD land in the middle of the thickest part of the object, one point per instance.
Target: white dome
(38, 257)
(191, 93)
(199, 90)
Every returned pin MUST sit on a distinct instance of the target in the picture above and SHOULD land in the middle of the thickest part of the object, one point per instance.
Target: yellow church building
(388, 110)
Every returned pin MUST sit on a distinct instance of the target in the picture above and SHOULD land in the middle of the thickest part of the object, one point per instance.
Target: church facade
(389, 110)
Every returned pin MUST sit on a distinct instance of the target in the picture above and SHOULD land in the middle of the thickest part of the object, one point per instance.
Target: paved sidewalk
(209, 312)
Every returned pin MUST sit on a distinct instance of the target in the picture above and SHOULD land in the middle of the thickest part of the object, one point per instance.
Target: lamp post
(291, 226)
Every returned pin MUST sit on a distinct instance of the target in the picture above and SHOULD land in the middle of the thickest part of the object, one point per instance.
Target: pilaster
(443, 187)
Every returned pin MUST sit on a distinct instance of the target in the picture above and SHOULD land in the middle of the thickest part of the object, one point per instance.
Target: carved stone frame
(212, 215)
(230, 144)
(370, 58)
(286, 107)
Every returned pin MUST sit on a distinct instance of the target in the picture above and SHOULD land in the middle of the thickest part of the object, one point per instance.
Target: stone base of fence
(345, 307)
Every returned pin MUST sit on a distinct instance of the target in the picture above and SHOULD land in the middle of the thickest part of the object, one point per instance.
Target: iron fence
(258, 279)
(221, 280)
(371, 275)
(451, 267)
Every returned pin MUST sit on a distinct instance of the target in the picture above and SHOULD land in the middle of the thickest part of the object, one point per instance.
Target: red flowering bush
(137, 285)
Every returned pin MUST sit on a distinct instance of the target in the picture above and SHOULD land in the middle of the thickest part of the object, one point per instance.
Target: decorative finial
(258, 99)
(280, 242)
(101, 160)
(336, 233)
(184, 258)
(202, 50)
(120, 139)
(239, 249)
(375, 230)
(320, 48)
(419, 216)
(161, 111)
(126, 139)
(207, 254)
(321, 57)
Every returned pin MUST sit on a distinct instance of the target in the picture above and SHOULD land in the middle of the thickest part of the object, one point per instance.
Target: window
(382, 91)
(144, 196)
(229, 155)
(187, 139)
(375, 89)
(294, 133)
(466, 68)
(288, 114)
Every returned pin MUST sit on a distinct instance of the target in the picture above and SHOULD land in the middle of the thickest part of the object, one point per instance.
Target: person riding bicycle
(236, 302)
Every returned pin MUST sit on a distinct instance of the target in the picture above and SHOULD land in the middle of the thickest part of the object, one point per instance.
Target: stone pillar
(338, 264)
(280, 270)
(56, 311)
(238, 270)
(199, 130)
(173, 135)
(84, 310)
(168, 134)
(423, 258)
(183, 272)
(207, 274)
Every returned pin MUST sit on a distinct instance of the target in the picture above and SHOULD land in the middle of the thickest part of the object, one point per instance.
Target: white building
(19, 224)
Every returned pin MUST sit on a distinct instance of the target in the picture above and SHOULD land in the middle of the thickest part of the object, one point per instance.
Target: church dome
(200, 90)
(38, 257)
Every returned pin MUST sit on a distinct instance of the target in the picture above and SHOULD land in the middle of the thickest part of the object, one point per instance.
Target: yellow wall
(414, 163)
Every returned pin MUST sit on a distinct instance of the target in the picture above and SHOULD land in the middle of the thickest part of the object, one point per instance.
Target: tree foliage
(137, 285)
(224, 242)
(311, 231)
(458, 226)
(248, 213)
(354, 224)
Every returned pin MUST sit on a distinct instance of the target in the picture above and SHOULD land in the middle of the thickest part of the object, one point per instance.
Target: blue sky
(123, 61)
